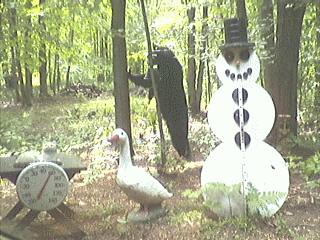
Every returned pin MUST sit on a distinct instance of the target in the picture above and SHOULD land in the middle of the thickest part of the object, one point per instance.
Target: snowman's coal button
(235, 96)
(245, 75)
(239, 76)
(247, 139)
(249, 71)
(244, 95)
(232, 76)
(236, 116)
(227, 72)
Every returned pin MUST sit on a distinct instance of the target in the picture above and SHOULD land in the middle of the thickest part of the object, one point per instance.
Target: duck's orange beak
(114, 139)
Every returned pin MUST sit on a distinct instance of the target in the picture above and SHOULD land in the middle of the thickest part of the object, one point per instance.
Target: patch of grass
(72, 124)
(311, 170)
(282, 228)
(239, 227)
(191, 218)
(103, 211)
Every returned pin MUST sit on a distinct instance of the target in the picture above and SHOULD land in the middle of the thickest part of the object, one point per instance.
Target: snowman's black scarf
(172, 97)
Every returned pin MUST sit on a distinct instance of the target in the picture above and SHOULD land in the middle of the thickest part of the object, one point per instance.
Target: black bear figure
(172, 97)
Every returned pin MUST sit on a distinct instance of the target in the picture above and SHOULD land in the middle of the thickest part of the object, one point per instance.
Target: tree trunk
(120, 78)
(50, 69)
(284, 82)
(209, 84)
(28, 43)
(14, 55)
(191, 74)
(317, 72)
(42, 57)
(202, 60)
(13, 75)
(101, 76)
(267, 36)
(69, 60)
(241, 10)
(3, 56)
(58, 73)
(54, 77)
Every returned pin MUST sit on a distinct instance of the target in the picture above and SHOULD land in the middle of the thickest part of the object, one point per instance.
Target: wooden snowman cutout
(243, 174)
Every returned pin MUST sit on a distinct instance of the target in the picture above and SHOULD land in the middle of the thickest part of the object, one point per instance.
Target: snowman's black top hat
(235, 33)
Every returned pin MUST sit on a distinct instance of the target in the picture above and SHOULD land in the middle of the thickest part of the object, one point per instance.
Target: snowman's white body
(250, 175)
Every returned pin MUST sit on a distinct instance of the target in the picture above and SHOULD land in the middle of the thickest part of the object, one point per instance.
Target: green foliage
(258, 202)
(74, 126)
(191, 194)
(311, 169)
(282, 228)
(202, 136)
(241, 227)
(184, 218)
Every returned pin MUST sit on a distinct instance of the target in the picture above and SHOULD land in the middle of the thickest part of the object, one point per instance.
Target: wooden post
(155, 89)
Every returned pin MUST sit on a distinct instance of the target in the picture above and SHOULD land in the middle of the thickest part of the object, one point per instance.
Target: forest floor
(100, 207)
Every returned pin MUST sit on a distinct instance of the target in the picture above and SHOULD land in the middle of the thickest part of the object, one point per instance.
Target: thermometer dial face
(42, 186)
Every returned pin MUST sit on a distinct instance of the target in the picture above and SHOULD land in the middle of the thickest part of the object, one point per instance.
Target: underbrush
(71, 122)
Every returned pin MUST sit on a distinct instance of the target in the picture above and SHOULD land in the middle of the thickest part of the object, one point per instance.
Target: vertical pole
(155, 89)
(242, 147)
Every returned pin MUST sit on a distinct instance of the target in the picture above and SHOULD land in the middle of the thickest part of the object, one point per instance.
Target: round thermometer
(42, 186)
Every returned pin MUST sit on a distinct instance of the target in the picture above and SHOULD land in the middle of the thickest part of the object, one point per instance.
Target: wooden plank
(76, 232)
(66, 210)
(28, 219)
(8, 231)
(14, 211)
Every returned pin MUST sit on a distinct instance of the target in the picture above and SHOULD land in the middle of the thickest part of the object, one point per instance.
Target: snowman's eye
(244, 55)
(229, 56)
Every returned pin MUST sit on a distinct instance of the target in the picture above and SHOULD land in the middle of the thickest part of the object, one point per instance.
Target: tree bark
(120, 76)
(69, 60)
(58, 74)
(102, 53)
(191, 74)
(317, 72)
(202, 60)
(268, 38)
(28, 43)
(54, 77)
(290, 15)
(3, 56)
(42, 57)
(241, 10)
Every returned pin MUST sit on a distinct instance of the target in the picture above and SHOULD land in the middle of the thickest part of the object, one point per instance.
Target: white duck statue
(137, 183)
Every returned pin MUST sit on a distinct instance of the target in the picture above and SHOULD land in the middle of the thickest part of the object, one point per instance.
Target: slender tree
(191, 74)
(202, 59)
(16, 69)
(28, 43)
(71, 39)
(317, 72)
(120, 76)
(3, 52)
(42, 55)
